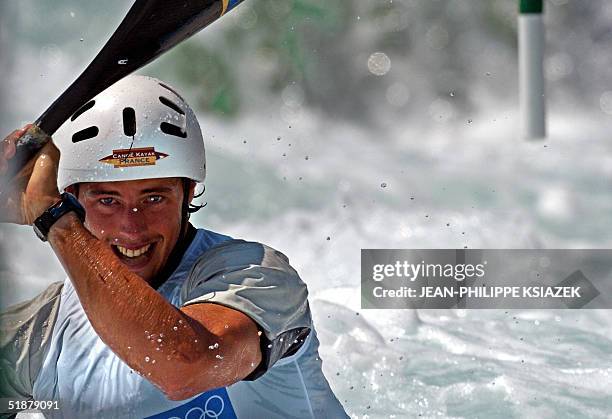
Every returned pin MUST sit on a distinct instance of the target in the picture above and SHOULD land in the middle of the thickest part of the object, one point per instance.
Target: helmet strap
(185, 205)
(175, 256)
(186, 236)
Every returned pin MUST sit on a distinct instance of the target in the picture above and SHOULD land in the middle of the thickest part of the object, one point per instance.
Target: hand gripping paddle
(150, 28)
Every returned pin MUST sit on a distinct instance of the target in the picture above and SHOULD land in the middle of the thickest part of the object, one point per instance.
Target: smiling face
(139, 220)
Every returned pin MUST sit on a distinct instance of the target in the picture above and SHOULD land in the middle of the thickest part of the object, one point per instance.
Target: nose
(132, 223)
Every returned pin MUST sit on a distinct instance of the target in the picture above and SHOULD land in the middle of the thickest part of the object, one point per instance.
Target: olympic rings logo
(212, 412)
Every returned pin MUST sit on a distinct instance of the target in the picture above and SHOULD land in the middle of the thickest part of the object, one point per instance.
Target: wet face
(139, 220)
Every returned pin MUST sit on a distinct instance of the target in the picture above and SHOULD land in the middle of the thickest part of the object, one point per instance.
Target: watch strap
(66, 204)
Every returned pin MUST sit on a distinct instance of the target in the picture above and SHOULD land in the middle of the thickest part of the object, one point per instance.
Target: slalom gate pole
(532, 101)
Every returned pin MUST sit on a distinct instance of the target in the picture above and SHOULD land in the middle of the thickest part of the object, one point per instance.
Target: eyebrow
(162, 189)
(102, 192)
(97, 192)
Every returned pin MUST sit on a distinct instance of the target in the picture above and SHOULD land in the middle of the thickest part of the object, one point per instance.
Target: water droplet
(306, 158)
(452, 94)
(383, 185)
(379, 63)
(153, 362)
(135, 209)
(175, 328)
(226, 326)
(147, 359)
(469, 121)
(159, 340)
(218, 356)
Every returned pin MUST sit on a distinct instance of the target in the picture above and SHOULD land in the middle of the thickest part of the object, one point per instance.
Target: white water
(478, 178)
(475, 177)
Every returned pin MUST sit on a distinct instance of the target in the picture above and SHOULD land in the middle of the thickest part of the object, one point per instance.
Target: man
(156, 319)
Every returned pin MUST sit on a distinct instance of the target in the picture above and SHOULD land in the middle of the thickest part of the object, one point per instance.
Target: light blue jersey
(89, 381)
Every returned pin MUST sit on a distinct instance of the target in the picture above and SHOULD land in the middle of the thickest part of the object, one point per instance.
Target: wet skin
(138, 220)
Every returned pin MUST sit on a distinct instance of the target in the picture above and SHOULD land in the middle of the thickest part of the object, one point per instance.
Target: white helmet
(139, 128)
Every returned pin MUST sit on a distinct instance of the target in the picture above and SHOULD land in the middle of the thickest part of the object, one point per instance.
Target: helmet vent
(129, 122)
(83, 109)
(171, 129)
(171, 105)
(165, 86)
(85, 134)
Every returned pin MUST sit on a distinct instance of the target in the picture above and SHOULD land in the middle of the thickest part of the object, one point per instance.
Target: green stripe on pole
(530, 6)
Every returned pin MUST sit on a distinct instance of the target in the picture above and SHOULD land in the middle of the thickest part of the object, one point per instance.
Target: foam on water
(472, 185)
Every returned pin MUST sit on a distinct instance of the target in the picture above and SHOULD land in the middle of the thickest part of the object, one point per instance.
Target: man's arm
(258, 281)
(182, 351)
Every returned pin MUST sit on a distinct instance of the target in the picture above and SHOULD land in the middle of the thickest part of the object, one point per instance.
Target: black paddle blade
(150, 28)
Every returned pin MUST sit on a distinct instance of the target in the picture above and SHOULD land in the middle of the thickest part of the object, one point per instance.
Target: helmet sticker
(145, 156)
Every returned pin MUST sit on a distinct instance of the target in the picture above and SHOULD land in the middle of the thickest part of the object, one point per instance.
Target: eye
(107, 201)
(155, 199)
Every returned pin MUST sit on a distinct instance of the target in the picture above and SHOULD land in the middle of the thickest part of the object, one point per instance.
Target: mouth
(135, 257)
(133, 253)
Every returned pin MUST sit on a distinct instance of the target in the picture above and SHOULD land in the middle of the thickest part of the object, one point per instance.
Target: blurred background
(337, 125)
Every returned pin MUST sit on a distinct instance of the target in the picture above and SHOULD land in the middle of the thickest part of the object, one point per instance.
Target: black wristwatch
(67, 203)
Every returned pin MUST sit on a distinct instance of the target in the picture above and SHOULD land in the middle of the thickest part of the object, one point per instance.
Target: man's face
(139, 220)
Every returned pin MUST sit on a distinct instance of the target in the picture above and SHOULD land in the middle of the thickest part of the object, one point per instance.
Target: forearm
(136, 322)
